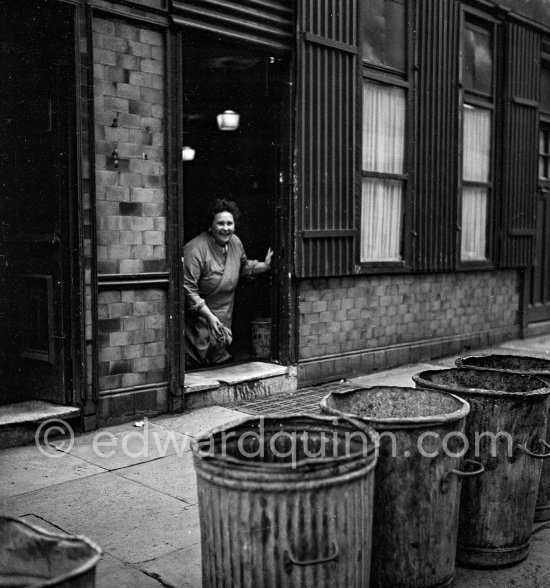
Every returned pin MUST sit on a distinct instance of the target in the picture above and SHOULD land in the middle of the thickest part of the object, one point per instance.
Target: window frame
(544, 124)
(388, 76)
(479, 21)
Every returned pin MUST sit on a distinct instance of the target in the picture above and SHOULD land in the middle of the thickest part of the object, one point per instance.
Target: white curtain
(476, 162)
(383, 128)
(381, 219)
(474, 223)
(383, 152)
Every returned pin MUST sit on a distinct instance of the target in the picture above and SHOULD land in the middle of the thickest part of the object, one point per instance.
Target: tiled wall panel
(132, 338)
(129, 94)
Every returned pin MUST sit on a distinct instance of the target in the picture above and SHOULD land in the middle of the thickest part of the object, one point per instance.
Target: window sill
(386, 267)
(482, 264)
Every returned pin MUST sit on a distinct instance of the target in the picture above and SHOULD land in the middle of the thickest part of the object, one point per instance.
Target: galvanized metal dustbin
(527, 366)
(286, 502)
(417, 480)
(506, 430)
(31, 556)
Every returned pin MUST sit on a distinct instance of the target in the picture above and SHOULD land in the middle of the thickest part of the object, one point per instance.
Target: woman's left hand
(268, 258)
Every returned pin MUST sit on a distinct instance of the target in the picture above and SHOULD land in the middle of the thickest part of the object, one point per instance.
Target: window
(477, 132)
(544, 154)
(385, 89)
(383, 34)
(544, 130)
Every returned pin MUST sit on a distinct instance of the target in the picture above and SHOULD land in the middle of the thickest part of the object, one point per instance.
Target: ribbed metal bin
(506, 431)
(31, 556)
(286, 502)
(528, 366)
(418, 473)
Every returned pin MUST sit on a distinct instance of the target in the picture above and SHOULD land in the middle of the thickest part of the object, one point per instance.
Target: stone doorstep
(19, 421)
(35, 411)
(227, 384)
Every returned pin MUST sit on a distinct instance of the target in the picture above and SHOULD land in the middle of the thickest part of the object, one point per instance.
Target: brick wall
(129, 123)
(375, 322)
(129, 139)
(86, 206)
(132, 338)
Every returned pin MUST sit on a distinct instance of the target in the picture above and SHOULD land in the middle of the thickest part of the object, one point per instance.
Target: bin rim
(544, 389)
(399, 422)
(459, 362)
(78, 571)
(371, 451)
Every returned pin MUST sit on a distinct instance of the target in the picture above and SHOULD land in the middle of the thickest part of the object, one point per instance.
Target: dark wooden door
(37, 131)
(539, 300)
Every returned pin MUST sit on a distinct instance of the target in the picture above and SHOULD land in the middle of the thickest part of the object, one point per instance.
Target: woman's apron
(202, 346)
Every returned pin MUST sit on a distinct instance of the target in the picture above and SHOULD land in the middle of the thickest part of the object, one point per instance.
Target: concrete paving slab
(112, 572)
(121, 446)
(109, 571)
(173, 475)
(401, 376)
(27, 468)
(534, 345)
(128, 520)
(180, 568)
(200, 421)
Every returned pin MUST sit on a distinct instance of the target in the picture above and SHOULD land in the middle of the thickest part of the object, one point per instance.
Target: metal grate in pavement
(300, 401)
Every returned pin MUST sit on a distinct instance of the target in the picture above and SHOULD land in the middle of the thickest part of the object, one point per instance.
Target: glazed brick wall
(86, 204)
(129, 118)
(132, 338)
(352, 314)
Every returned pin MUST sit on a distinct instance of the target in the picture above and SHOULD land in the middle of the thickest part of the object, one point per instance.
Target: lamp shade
(187, 153)
(228, 120)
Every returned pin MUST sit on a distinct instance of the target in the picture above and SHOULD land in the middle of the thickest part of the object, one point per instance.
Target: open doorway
(240, 165)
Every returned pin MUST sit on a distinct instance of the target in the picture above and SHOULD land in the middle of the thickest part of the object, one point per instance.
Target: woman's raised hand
(268, 258)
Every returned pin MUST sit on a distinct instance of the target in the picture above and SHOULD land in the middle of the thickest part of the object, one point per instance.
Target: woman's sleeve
(248, 266)
(192, 271)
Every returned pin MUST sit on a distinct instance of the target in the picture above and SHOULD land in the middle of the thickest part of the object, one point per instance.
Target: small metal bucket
(31, 556)
(527, 366)
(286, 501)
(417, 480)
(506, 431)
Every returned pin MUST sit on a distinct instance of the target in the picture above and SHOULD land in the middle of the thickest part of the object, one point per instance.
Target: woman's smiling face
(223, 226)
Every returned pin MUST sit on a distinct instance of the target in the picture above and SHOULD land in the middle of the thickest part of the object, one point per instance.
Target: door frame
(285, 340)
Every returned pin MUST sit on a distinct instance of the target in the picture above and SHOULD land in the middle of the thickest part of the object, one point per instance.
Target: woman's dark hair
(223, 205)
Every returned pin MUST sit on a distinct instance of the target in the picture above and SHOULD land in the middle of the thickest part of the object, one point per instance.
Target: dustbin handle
(444, 483)
(480, 469)
(289, 560)
(524, 449)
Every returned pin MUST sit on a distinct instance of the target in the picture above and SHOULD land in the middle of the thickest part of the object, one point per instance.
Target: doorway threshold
(227, 384)
(20, 421)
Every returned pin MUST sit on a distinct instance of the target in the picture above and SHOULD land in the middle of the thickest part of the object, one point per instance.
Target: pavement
(132, 488)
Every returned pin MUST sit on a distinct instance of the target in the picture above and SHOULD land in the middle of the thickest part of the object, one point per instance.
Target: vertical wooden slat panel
(326, 138)
(267, 23)
(519, 167)
(434, 222)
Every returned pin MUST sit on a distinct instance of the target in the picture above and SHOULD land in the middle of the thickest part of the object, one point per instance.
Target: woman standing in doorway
(213, 263)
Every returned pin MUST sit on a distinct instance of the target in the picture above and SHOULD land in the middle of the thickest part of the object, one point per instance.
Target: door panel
(36, 122)
(539, 302)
